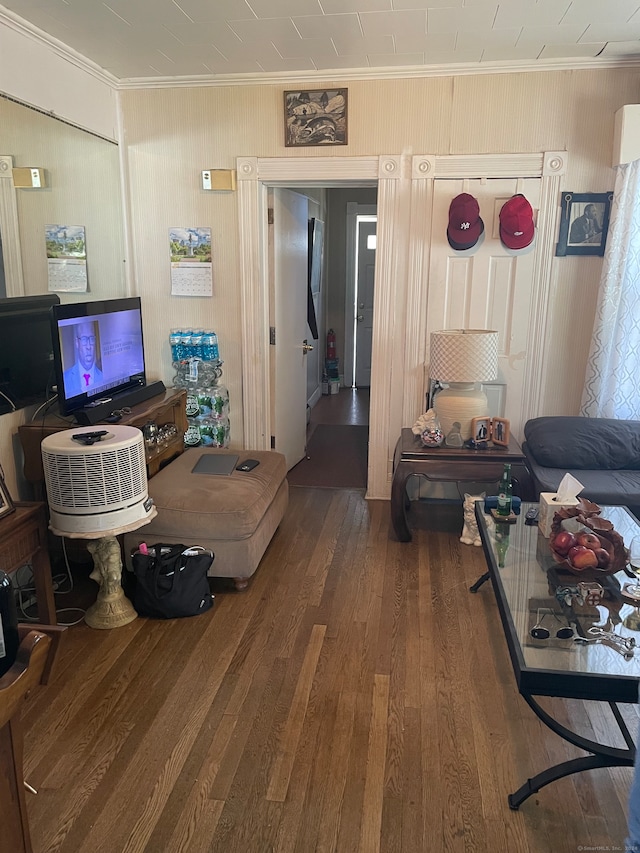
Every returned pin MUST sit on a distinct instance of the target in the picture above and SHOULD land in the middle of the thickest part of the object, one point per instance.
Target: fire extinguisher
(331, 344)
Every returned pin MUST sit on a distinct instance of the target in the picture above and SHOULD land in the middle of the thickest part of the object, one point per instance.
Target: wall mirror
(83, 188)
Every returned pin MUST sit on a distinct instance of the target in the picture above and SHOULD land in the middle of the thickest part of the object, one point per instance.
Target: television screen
(98, 351)
(26, 350)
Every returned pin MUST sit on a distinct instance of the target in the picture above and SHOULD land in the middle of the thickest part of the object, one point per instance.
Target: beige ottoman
(234, 515)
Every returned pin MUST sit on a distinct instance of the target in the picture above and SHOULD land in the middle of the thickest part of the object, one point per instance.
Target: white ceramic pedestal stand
(112, 609)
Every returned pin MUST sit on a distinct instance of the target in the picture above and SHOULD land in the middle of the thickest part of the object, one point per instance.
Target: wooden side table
(449, 464)
(169, 407)
(23, 537)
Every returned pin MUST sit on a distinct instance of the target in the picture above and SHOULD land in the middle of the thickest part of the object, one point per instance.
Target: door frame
(399, 350)
(354, 210)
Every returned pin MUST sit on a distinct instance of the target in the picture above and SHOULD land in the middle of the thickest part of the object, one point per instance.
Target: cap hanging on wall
(465, 225)
(517, 228)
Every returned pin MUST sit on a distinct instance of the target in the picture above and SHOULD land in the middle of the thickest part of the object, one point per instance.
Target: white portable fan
(96, 480)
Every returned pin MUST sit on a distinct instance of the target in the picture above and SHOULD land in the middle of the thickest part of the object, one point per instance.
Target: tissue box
(548, 508)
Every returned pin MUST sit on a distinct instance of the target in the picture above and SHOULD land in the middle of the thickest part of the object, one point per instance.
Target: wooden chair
(33, 665)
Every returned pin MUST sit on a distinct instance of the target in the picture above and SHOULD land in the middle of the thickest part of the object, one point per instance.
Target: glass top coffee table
(542, 613)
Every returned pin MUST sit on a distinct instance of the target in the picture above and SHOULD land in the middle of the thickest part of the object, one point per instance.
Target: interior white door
(365, 260)
(488, 287)
(290, 266)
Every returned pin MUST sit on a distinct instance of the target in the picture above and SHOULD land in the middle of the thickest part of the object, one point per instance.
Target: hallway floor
(337, 442)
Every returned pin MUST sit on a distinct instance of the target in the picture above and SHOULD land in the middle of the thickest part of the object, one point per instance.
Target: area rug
(336, 458)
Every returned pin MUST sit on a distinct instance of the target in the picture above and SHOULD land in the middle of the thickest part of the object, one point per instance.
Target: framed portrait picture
(315, 117)
(500, 431)
(6, 504)
(481, 429)
(584, 222)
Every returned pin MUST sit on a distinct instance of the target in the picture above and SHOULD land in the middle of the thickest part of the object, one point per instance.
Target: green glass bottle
(502, 543)
(504, 493)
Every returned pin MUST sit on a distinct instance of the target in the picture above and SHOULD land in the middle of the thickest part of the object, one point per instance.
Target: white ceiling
(162, 40)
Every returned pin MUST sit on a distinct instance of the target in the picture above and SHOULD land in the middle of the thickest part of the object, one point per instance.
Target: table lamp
(461, 358)
(96, 482)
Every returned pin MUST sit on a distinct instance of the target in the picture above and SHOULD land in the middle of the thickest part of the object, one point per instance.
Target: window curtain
(612, 380)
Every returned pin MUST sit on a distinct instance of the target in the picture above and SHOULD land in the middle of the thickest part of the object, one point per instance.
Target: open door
(289, 244)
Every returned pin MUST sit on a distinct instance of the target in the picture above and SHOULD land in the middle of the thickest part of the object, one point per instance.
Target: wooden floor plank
(356, 696)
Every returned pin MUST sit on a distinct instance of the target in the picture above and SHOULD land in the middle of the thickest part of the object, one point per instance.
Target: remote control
(248, 465)
(89, 437)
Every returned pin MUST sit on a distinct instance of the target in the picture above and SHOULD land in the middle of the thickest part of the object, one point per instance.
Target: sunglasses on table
(542, 632)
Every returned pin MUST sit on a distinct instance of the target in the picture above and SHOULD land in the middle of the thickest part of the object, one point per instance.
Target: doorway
(338, 419)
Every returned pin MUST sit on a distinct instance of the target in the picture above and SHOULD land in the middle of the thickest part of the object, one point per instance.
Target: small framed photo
(500, 431)
(481, 429)
(315, 117)
(6, 504)
(584, 222)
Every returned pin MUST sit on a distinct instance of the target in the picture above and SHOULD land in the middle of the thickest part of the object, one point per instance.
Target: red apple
(589, 540)
(563, 541)
(581, 557)
(603, 557)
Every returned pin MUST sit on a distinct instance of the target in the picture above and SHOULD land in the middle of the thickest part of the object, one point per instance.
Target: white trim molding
(10, 230)
(405, 198)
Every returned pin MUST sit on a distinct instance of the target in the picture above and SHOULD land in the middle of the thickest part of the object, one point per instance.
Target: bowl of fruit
(584, 543)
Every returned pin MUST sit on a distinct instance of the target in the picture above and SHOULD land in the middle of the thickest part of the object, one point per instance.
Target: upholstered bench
(234, 515)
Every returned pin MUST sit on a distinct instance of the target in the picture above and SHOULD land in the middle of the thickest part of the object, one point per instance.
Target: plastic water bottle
(175, 337)
(210, 351)
(196, 344)
(185, 344)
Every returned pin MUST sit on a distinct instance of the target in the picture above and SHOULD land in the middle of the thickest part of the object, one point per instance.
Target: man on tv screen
(84, 375)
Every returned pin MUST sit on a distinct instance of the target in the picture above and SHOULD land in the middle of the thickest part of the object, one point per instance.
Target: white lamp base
(460, 402)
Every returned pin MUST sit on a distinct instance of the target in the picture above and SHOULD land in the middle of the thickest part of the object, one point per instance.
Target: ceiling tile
(206, 10)
(419, 43)
(390, 23)
(331, 7)
(346, 45)
(488, 39)
(304, 47)
(611, 32)
(622, 48)
(257, 30)
(557, 51)
(203, 33)
(461, 20)
(564, 34)
(351, 61)
(542, 12)
(600, 11)
(383, 60)
(317, 26)
(285, 8)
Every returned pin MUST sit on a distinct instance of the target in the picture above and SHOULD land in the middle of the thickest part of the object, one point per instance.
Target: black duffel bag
(171, 581)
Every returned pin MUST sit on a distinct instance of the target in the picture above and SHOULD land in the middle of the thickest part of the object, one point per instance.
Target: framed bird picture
(315, 117)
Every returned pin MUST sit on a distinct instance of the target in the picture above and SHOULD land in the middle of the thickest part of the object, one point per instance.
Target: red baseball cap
(465, 225)
(516, 223)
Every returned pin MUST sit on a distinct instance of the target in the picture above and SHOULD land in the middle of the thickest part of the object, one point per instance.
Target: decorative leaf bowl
(585, 544)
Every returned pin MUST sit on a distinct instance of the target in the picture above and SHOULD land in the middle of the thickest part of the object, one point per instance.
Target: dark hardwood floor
(356, 697)
(350, 406)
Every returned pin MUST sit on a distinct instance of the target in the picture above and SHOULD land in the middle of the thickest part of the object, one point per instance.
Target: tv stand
(101, 409)
(163, 408)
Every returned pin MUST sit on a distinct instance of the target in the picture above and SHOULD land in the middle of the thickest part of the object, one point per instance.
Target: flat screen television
(98, 353)
(26, 350)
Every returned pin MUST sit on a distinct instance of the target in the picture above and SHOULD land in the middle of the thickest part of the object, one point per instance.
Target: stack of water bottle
(196, 360)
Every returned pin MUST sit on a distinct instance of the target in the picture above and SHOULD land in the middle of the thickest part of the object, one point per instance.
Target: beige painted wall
(171, 134)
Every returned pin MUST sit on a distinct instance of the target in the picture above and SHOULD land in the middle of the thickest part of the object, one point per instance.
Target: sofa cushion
(215, 506)
(580, 443)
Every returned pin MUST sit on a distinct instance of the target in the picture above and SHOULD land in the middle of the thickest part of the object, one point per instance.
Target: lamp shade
(464, 355)
(460, 358)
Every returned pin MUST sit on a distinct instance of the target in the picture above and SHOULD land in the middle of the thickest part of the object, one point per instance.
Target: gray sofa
(602, 453)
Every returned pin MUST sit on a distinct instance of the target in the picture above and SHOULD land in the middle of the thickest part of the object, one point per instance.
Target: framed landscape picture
(315, 117)
(584, 222)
